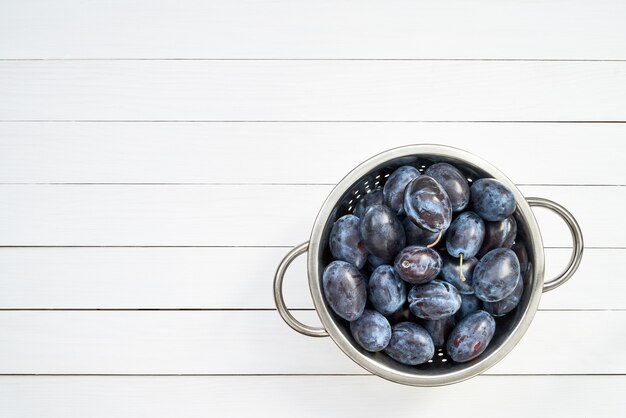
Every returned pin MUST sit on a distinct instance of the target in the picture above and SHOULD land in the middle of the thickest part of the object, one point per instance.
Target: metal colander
(510, 328)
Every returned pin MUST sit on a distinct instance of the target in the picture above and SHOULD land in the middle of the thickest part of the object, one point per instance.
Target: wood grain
(313, 90)
(269, 104)
(310, 396)
(227, 278)
(342, 29)
(227, 215)
(259, 342)
(144, 152)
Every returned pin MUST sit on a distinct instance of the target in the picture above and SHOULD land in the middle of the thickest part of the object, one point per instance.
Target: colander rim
(534, 244)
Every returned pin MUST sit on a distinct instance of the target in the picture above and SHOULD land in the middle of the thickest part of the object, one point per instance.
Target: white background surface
(158, 158)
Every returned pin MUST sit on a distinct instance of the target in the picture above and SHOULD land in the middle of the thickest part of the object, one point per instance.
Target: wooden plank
(290, 152)
(259, 342)
(227, 215)
(323, 29)
(313, 90)
(310, 396)
(226, 278)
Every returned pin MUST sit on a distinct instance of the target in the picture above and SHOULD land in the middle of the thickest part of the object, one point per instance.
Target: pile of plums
(430, 243)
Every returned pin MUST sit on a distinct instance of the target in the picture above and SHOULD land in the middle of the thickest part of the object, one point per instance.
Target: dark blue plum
(465, 235)
(499, 234)
(345, 289)
(434, 300)
(496, 275)
(418, 236)
(382, 232)
(418, 265)
(375, 261)
(427, 205)
(522, 256)
(451, 273)
(492, 200)
(506, 305)
(410, 344)
(374, 197)
(471, 336)
(346, 243)
(386, 290)
(395, 185)
(401, 316)
(453, 182)
(439, 329)
(371, 331)
(469, 304)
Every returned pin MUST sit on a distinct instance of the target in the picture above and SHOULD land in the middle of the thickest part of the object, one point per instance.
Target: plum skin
(418, 265)
(439, 329)
(434, 300)
(382, 232)
(393, 191)
(410, 344)
(374, 197)
(496, 275)
(346, 243)
(469, 304)
(465, 235)
(371, 331)
(427, 204)
(451, 273)
(506, 305)
(453, 182)
(345, 289)
(386, 290)
(471, 336)
(374, 324)
(418, 236)
(492, 200)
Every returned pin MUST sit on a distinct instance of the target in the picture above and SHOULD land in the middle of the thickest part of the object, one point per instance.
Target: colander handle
(280, 301)
(577, 238)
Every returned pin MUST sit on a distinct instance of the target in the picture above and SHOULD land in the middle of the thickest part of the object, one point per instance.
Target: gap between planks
(254, 184)
(239, 310)
(296, 121)
(319, 59)
(588, 247)
(364, 375)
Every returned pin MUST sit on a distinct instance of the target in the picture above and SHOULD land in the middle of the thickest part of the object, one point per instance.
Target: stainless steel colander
(509, 329)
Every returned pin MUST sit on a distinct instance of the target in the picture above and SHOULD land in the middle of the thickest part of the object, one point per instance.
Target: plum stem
(432, 244)
(462, 277)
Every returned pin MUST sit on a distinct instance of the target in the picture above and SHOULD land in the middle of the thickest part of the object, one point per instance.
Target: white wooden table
(158, 158)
